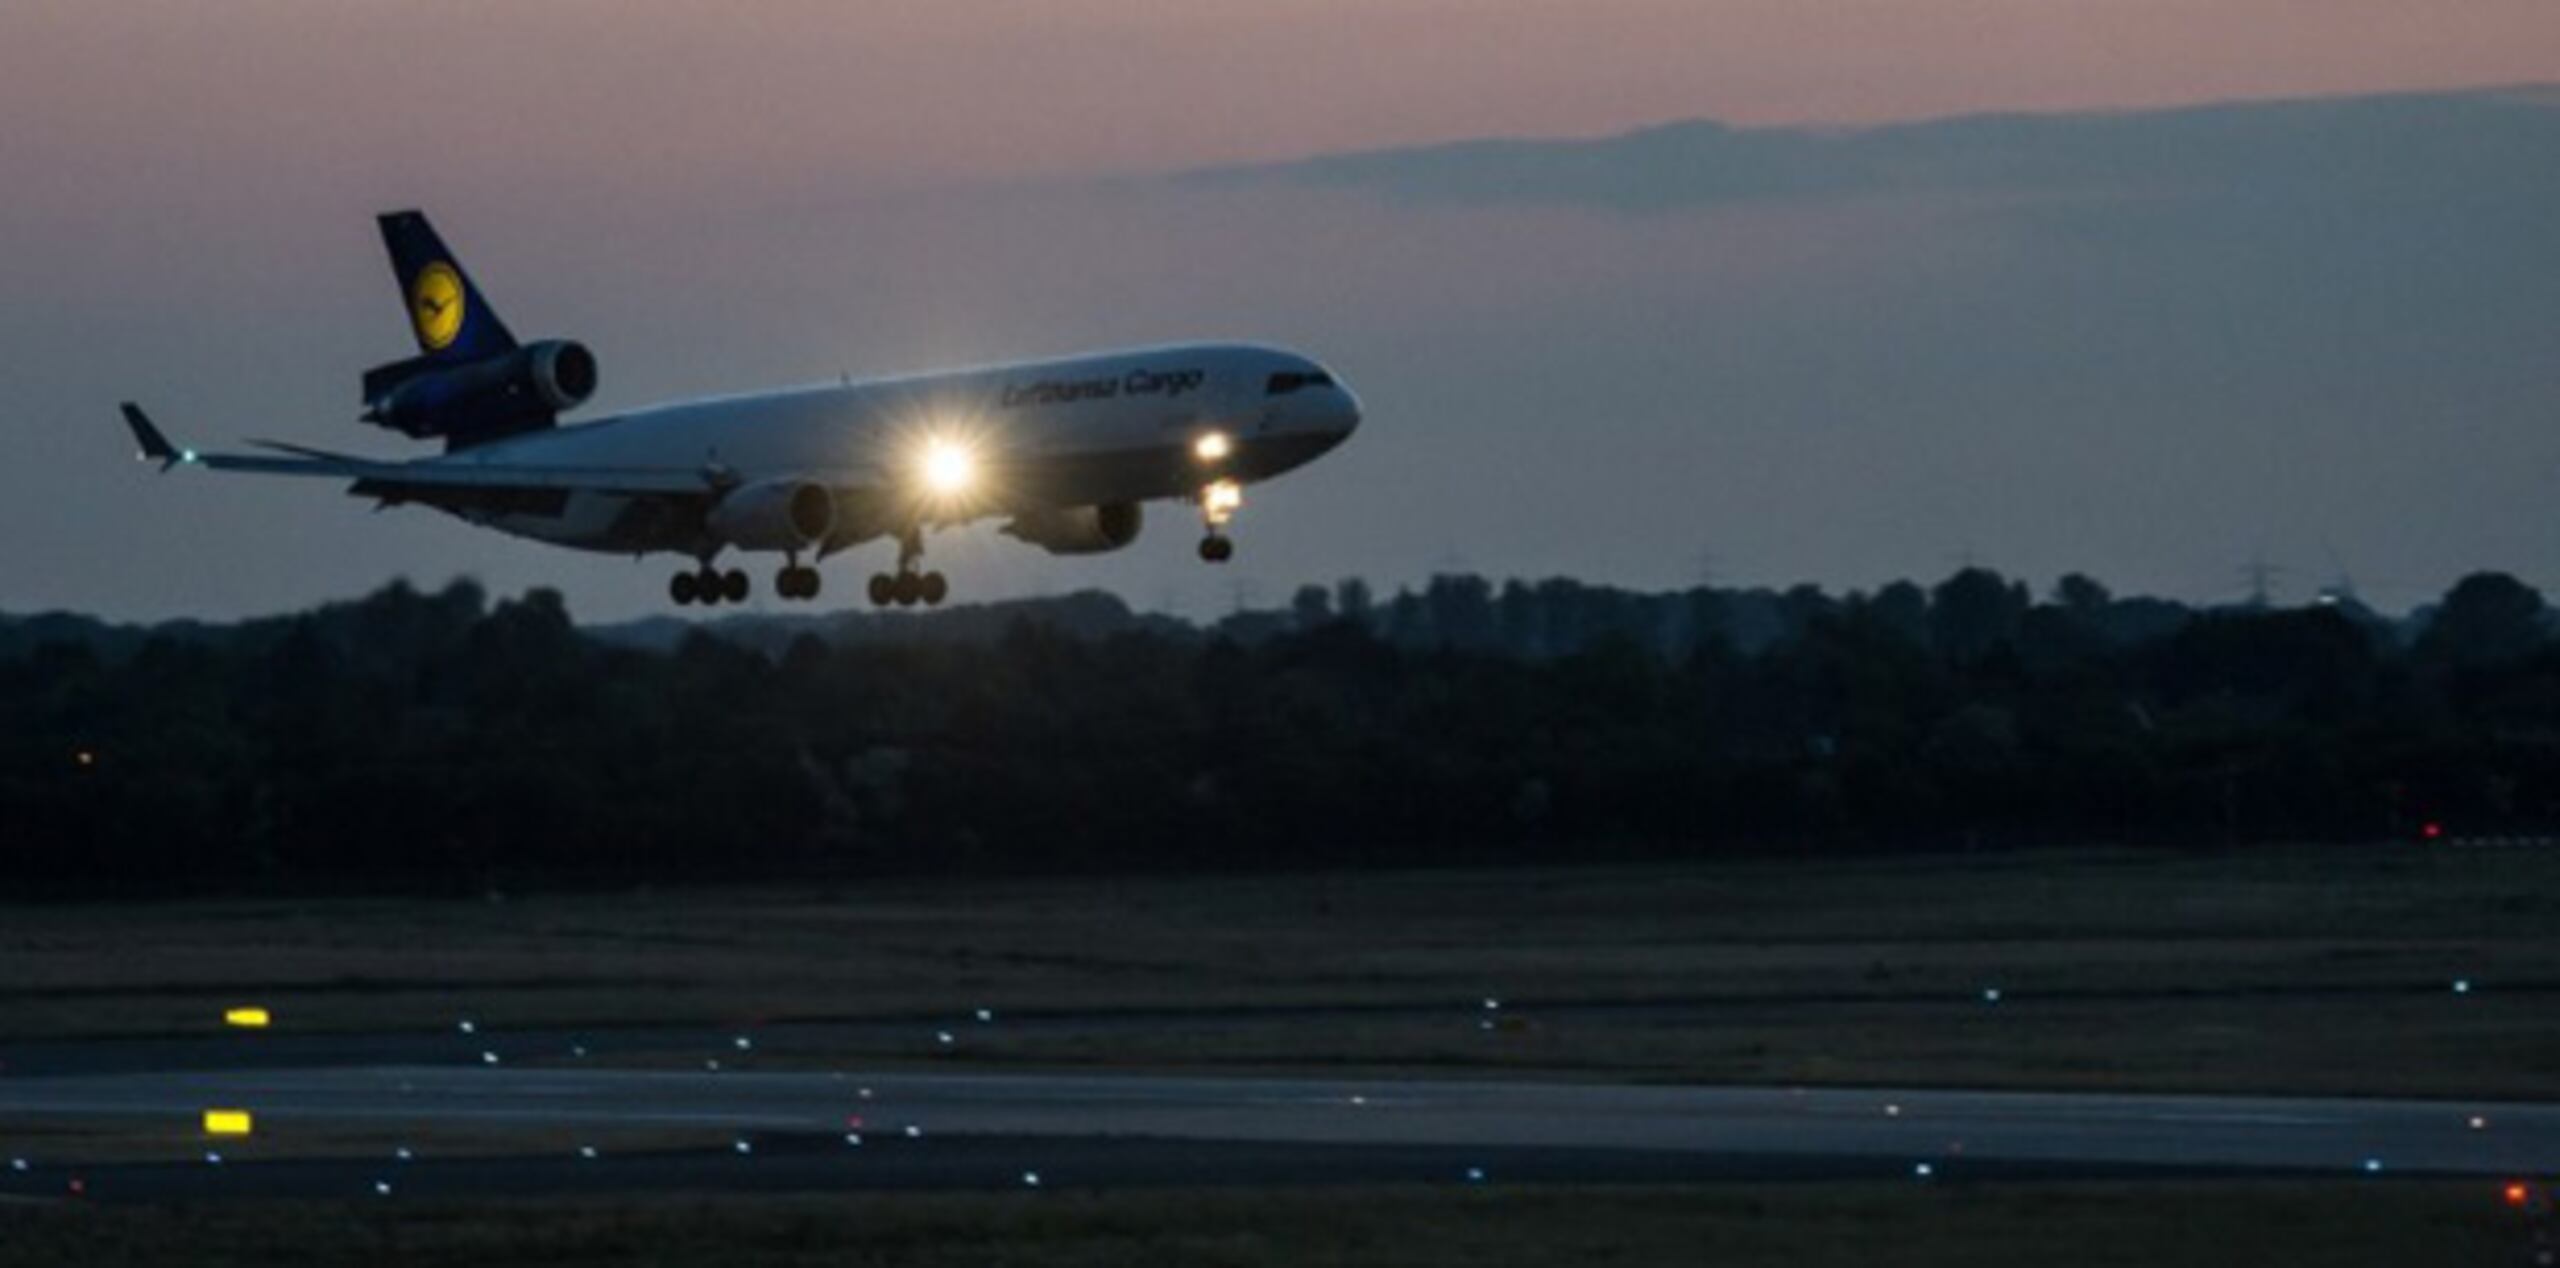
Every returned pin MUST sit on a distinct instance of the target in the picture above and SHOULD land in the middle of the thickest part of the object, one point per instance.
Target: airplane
(1065, 451)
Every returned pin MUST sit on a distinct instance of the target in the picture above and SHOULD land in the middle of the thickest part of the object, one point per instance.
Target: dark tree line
(441, 742)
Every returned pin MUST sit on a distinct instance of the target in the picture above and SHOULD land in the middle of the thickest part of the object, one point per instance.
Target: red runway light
(2517, 1194)
(2432, 831)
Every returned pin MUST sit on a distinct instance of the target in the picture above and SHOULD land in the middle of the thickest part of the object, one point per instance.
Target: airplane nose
(1346, 410)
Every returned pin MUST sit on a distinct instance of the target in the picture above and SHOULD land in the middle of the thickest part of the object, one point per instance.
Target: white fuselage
(1116, 427)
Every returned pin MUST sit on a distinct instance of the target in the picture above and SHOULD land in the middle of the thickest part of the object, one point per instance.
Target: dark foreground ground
(2358, 973)
(2390, 971)
(1806, 1226)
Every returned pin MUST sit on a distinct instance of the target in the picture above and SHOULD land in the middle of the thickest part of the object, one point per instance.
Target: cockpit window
(1287, 381)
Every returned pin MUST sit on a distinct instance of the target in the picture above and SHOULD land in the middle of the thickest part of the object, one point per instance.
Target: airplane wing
(420, 480)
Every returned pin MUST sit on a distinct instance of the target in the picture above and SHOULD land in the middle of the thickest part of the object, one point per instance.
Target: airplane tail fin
(451, 319)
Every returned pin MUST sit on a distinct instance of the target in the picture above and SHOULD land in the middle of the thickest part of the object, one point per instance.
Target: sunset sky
(720, 197)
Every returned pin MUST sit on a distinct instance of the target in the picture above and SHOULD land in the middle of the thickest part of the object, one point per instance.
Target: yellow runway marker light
(227, 1122)
(246, 1018)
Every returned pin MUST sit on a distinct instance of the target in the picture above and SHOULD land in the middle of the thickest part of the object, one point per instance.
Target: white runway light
(1031, 1179)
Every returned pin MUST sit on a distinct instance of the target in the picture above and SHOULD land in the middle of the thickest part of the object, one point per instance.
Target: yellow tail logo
(435, 305)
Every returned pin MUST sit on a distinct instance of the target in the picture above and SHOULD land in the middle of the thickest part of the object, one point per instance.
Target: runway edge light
(227, 1122)
(246, 1018)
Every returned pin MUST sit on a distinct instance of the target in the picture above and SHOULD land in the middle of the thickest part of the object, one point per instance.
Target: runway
(906, 1129)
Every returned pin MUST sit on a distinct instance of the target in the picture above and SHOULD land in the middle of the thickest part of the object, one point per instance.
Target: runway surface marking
(2328, 1134)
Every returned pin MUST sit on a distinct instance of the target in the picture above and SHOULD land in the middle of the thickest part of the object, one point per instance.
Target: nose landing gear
(1219, 502)
(908, 586)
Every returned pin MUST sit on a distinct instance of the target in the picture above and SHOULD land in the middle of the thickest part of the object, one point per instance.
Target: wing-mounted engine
(1079, 530)
(523, 389)
(774, 515)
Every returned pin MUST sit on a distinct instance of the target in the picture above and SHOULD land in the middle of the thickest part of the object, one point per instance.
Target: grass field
(2092, 1226)
(2296, 970)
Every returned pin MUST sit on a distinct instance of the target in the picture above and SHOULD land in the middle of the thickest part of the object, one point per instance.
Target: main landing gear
(1219, 502)
(907, 586)
(796, 581)
(708, 585)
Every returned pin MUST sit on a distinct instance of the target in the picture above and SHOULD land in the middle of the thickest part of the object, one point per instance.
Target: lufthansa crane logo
(435, 304)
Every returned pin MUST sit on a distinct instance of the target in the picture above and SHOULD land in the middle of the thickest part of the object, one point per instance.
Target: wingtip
(155, 446)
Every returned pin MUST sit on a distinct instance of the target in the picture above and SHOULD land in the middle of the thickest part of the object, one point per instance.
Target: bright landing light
(949, 467)
(1212, 447)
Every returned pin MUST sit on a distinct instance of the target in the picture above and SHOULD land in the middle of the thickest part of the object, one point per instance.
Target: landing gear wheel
(680, 589)
(1217, 550)
(907, 586)
(733, 586)
(796, 583)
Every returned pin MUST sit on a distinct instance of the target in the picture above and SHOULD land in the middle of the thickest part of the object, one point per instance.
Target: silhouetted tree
(2488, 618)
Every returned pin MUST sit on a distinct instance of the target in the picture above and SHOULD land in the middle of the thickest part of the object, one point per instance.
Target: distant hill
(1533, 620)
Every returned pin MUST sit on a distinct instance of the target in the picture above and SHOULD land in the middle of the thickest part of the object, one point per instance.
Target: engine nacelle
(561, 371)
(516, 391)
(774, 515)
(1079, 530)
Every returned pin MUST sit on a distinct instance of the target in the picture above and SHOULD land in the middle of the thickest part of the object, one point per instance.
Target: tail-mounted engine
(521, 390)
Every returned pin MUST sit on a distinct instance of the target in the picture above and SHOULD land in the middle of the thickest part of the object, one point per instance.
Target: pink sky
(187, 219)
(641, 94)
